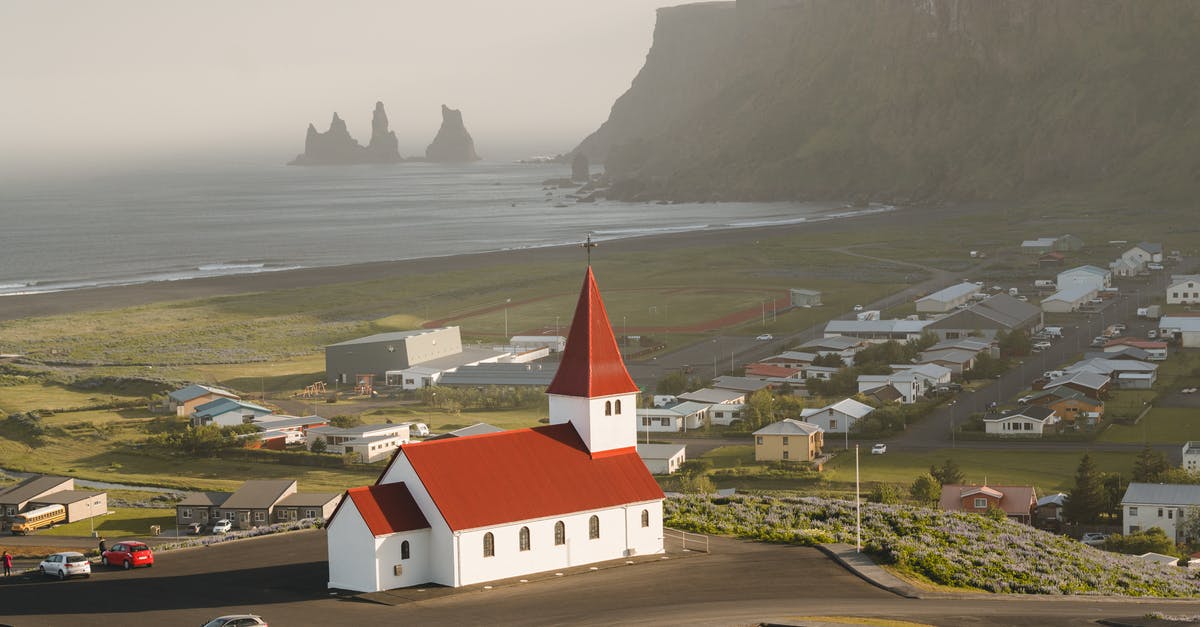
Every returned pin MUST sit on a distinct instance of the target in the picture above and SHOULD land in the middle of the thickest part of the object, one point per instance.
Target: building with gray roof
(1161, 505)
(988, 318)
(506, 374)
(947, 298)
(377, 354)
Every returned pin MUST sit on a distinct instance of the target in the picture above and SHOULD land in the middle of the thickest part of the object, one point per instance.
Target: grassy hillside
(901, 101)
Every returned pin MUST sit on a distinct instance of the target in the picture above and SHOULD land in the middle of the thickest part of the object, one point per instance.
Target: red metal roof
(591, 363)
(386, 508)
(494, 478)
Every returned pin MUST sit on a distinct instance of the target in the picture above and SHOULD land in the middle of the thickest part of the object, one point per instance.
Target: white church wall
(415, 570)
(351, 551)
(599, 432)
(440, 540)
(645, 540)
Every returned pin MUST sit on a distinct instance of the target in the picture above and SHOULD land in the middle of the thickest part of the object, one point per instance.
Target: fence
(696, 541)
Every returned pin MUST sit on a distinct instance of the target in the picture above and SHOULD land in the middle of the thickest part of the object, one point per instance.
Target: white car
(1043, 345)
(879, 449)
(66, 564)
(237, 620)
(223, 526)
(1093, 539)
(765, 336)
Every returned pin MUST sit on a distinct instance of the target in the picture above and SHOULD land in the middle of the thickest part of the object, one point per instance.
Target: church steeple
(592, 389)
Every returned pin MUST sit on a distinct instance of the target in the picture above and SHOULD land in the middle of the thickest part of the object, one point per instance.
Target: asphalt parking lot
(283, 578)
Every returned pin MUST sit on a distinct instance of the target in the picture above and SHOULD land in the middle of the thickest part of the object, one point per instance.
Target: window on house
(832, 424)
(607, 408)
(560, 533)
(310, 513)
(404, 550)
(1160, 512)
(645, 518)
(185, 513)
(1170, 514)
(523, 538)
(758, 439)
(489, 545)
(785, 454)
(645, 421)
(785, 440)
(1133, 511)
(594, 527)
(618, 406)
(260, 516)
(980, 503)
(666, 422)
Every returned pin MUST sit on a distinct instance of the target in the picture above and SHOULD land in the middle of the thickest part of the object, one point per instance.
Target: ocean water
(174, 223)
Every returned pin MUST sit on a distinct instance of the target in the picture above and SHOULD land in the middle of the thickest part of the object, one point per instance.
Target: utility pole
(857, 506)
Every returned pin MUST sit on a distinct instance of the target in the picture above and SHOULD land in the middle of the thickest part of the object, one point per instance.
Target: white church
(465, 510)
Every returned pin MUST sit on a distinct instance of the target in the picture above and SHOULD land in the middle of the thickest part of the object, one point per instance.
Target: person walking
(7, 564)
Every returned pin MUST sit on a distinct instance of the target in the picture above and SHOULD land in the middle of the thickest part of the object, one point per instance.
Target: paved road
(282, 578)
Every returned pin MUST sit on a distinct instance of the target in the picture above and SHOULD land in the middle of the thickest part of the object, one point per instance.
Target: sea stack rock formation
(337, 147)
(453, 144)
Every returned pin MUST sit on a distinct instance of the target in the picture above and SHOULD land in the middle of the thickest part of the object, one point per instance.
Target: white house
(876, 330)
(1183, 289)
(556, 343)
(1069, 299)
(1144, 253)
(373, 449)
(909, 385)
(931, 375)
(725, 414)
(948, 298)
(1093, 276)
(336, 438)
(479, 508)
(838, 417)
(682, 417)
(1182, 329)
(1033, 420)
(1191, 456)
(662, 459)
(1147, 505)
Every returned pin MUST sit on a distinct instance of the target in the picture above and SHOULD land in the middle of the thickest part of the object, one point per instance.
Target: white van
(1043, 283)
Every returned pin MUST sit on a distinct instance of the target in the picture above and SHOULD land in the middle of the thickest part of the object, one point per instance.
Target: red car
(128, 555)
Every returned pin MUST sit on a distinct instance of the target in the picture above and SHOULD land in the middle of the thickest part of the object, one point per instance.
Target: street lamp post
(506, 302)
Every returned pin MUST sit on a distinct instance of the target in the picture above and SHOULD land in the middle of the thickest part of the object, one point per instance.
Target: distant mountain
(337, 147)
(452, 144)
(904, 100)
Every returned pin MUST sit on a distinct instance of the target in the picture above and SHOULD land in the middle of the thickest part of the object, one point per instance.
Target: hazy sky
(106, 84)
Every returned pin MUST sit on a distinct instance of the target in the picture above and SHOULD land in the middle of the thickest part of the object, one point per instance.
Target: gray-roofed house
(254, 503)
(301, 505)
(1093, 276)
(1050, 508)
(662, 459)
(1191, 456)
(227, 412)
(749, 385)
(1161, 505)
(185, 400)
(16, 498)
(80, 504)
(788, 440)
(713, 396)
(199, 507)
(956, 359)
(506, 374)
(876, 330)
(838, 417)
(1091, 383)
(478, 428)
(988, 318)
(1068, 299)
(804, 298)
(1182, 329)
(947, 298)
(430, 373)
(1028, 421)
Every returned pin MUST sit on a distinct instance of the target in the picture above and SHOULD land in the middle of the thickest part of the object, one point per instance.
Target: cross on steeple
(588, 246)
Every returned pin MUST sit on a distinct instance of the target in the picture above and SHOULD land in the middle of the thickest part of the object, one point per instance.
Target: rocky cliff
(452, 144)
(903, 100)
(337, 147)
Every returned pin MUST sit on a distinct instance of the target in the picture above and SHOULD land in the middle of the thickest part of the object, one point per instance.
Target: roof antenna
(589, 245)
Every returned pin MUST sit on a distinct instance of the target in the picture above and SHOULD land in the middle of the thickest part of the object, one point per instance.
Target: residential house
(667, 420)
(788, 440)
(956, 360)
(1073, 407)
(804, 298)
(976, 345)
(226, 412)
(986, 319)
(715, 396)
(1123, 267)
(839, 417)
(745, 385)
(1031, 420)
(1144, 253)
(773, 374)
(725, 414)
(1182, 329)
(1091, 276)
(185, 400)
(910, 386)
(875, 330)
(884, 394)
(1183, 289)
(371, 443)
(1093, 384)
(1050, 509)
(79, 504)
(256, 503)
(947, 299)
(1161, 505)
(478, 428)
(930, 375)
(1191, 456)
(1039, 246)
(1052, 259)
(1016, 501)
(1069, 299)
(842, 346)
(795, 360)
(201, 508)
(1124, 373)
(466, 510)
(1121, 352)
(293, 428)
(302, 505)
(823, 373)
(253, 504)
(662, 459)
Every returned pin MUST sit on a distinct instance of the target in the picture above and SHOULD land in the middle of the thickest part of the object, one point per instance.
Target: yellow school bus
(35, 519)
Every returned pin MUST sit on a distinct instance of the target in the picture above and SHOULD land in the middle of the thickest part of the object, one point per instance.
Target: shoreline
(15, 307)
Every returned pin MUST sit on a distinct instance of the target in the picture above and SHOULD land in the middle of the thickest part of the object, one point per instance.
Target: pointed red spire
(591, 363)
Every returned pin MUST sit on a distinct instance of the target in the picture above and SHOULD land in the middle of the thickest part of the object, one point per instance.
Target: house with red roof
(484, 507)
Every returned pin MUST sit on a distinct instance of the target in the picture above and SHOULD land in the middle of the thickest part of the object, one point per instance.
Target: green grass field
(1162, 425)
(119, 523)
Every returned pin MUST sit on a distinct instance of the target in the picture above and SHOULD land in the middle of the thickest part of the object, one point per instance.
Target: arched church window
(594, 527)
(645, 518)
(489, 545)
(404, 550)
(524, 538)
(618, 407)
(560, 533)
(607, 408)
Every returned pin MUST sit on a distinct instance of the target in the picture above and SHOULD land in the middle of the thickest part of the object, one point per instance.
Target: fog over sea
(176, 223)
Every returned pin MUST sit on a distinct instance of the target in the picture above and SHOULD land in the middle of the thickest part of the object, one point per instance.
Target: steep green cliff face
(907, 100)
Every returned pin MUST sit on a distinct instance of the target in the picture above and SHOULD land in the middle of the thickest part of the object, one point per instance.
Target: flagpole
(857, 506)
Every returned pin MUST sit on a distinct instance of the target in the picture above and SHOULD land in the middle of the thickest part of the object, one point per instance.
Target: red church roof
(591, 362)
(494, 478)
(387, 508)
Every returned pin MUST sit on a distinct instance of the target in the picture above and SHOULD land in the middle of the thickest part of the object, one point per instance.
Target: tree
(1086, 500)
(1114, 491)
(829, 360)
(1013, 344)
(925, 490)
(1152, 540)
(319, 445)
(758, 411)
(1149, 465)
(696, 485)
(995, 513)
(673, 383)
(948, 474)
(884, 493)
(1189, 524)
(345, 422)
